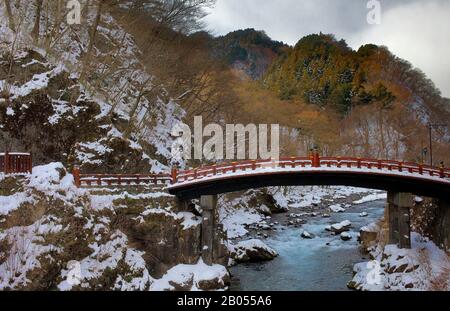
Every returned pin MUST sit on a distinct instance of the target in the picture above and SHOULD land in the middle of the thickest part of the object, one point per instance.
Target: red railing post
(76, 176)
(379, 164)
(174, 175)
(400, 167)
(30, 163)
(234, 167)
(441, 171)
(359, 162)
(214, 170)
(293, 162)
(339, 162)
(253, 165)
(6, 162)
(421, 169)
(316, 159)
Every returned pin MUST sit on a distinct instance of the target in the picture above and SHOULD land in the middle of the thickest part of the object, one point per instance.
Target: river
(324, 263)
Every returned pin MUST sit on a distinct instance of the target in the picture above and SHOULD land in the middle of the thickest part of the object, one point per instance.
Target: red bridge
(296, 171)
(315, 170)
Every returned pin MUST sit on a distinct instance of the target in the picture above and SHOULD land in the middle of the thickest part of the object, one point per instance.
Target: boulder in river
(363, 214)
(368, 235)
(306, 235)
(345, 236)
(252, 251)
(337, 208)
(341, 227)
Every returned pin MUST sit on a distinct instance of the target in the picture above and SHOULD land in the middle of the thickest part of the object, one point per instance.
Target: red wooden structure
(16, 163)
(314, 162)
(99, 180)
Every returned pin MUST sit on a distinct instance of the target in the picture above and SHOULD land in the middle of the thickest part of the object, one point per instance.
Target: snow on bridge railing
(100, 180)
(315, 162)
(312, 162)
(16, 163)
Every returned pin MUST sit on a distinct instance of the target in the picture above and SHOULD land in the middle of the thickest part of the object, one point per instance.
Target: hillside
(248, 50)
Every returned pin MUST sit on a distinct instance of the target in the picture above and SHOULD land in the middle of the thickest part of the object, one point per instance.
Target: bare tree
(37, 22)
(10, 15)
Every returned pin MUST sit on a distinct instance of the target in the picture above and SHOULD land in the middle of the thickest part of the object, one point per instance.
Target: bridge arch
(385, 175)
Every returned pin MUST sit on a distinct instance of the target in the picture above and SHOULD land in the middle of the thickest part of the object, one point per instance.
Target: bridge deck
(369, 173)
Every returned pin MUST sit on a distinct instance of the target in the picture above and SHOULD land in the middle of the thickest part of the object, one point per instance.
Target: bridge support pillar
(442, 225)
(399, 205)
(208, 204)
(392, 212)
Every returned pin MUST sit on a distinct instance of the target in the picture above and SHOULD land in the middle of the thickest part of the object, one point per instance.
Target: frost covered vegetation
(121, 241)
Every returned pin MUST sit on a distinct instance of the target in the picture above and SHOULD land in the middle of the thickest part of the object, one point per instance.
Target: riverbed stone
(345, 236)
(252, 251)
(306, 235)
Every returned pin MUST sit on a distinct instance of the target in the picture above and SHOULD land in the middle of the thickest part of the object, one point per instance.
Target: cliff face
(106, 240)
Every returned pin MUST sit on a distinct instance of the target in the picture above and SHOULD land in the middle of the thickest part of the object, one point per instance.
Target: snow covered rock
(345, 236)
(337, 208)
(252, 251)
(368, 235)
(363, 214)
(306, 235)
(423, 267)
(341, 227)
(193, 277)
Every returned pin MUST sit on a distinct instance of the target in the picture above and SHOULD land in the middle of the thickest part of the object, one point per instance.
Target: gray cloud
(415, 30)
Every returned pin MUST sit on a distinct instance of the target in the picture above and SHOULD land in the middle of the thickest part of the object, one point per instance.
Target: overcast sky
(416, 30)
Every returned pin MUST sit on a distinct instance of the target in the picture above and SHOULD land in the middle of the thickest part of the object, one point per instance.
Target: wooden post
(174, 176)
(76, 176)
(6, 162)
(316, 159)
(30, 163)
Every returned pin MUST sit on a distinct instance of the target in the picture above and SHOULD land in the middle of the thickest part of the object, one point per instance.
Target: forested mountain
(247, 50)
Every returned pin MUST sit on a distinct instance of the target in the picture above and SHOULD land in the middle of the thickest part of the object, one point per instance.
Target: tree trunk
(92, 39)
(37, 22)
(12, 25)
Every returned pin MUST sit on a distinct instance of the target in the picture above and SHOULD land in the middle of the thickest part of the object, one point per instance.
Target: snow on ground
(13, 202)
(423, 267)
(372, 197)
(190, 275)
(106, 201)
(299, 197)
(26, 246)
(337, 208)
(237, 213)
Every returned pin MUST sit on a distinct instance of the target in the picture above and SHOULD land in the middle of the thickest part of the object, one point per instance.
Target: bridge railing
(312, 162)
(16, 163)
(234, 167)
(247, 166)
(101, 180)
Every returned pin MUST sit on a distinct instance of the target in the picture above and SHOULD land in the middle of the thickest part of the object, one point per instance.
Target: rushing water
(322, 263)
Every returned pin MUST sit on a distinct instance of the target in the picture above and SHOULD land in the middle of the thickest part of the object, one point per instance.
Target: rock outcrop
(251, 251)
